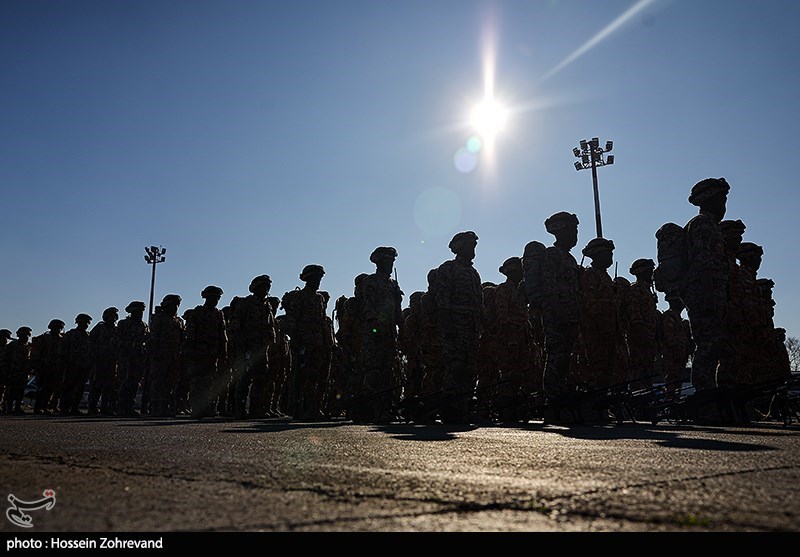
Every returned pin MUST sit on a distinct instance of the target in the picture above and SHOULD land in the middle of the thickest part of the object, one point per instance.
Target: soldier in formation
(459, 307)
(75, 361)
(45, 366)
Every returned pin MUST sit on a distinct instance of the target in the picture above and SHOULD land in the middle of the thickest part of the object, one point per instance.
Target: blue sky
(256, 137)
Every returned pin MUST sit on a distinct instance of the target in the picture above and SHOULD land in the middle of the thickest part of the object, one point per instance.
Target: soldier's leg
(42, 402)
(258, 387)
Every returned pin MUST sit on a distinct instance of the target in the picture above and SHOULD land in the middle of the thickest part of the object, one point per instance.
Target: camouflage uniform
(280, 363)
(459, 306)
(5, 336)
(430, 345)
(757, 329)
(45, 365)
(164, 349)
(18, 368)
(310, 343)
(104, 383)
(488, 366)
(514, 334)
(560, 303)
(131, 341)
(75, 358)
(643, 317)
(622, 287)
(732, 370)
(206, 350)
(599, 318)
(706, 289)
(676, 347)
(254, 331)
(410, 345)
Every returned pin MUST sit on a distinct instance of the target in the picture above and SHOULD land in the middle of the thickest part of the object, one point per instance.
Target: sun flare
(489, 117)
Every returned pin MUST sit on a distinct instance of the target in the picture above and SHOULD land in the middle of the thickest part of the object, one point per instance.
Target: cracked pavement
(179, 474)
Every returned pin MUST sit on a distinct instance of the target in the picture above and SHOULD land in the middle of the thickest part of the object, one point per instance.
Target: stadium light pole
(155, 255)
(591, 156)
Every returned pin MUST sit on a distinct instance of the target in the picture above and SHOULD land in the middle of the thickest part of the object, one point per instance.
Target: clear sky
(254, 137)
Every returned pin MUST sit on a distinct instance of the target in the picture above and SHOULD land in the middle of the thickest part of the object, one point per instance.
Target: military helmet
(510, 263)
(56, 324)
(708, 188)
(108, 312)
(274, 302)
(560, 221)
(311, 271)
(415, 297)
(259, 280)
(461, 239)
(83, 317)
(23, 331)
(382, 254)
(5, 333)
(211, 290)
(765, 283)
(749, 249)
(171, 299)
(133, 306)
(596, 245)
(642, 265)
(360, 278)
(731, 228)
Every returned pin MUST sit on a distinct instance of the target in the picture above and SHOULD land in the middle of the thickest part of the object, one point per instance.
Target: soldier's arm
(222, 338)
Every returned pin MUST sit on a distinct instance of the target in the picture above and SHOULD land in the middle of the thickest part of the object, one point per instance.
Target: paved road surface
(114, 474)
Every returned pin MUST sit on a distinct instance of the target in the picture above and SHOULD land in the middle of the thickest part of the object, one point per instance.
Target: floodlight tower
(591, 156)
(155, 255)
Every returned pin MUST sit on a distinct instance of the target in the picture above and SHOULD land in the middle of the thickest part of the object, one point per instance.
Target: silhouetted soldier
(18, 362)
(410, 339)
(599, 314)
(280, 362)
(75, 357)
(104, 363)
(45, 366)
(206, 349)
(184, 383)
(459, 305)
(233, 364)
(488, 365)
(756, 334)
(311, 350)
(783, 364)
(254, 331)
(164, 349)
(531, 288)
(514, 336)
(706, 289)
(379, 298)
(732, 370)
(326, 386)
(771, 353)
(622, 287)
(431, 340)
(643, 320)
(5, 337)
(676, 345)
(131, 340)
(560, 302)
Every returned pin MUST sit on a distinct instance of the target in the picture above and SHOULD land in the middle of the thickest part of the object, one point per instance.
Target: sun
(489, 117)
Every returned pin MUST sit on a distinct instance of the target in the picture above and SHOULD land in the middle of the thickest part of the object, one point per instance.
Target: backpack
(673, 259)
(532, 264)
